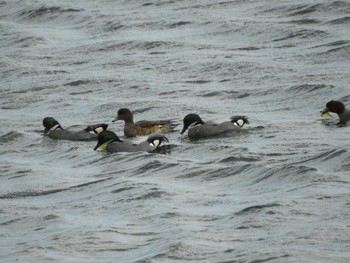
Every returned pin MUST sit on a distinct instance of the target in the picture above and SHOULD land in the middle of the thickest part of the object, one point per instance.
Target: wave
(225, 94)
(255, 208)
(10, 137)
(112, 26)
(334, 43)
(309, 88)
(296, 173)
(337, 51)
(304, 9)
(77, 83)
(305, 21)
(134, 45)
(341, 20)
(329, 160)
(222, 170)
(151, 194)
(303, 34)
(45, 12)
(29, 193)
(179, 24)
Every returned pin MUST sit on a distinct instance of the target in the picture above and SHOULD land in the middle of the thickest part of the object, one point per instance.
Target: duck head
(50, 123)
(156, 139)
(124, 114)
(191, 120)
(239, 120)
(333, 106)
(106, 137)
(98, 128)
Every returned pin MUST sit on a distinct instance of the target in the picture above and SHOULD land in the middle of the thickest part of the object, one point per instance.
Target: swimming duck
(200, 129)
(74, 133)
(339, 108)
(110, 142)
(132, 129)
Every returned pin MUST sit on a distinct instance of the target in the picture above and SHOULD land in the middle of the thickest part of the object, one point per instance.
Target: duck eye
(240, 122)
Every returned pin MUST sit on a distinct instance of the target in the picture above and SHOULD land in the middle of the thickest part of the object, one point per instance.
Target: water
(276, 192)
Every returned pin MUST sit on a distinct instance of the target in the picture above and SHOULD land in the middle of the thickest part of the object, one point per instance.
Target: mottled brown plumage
(132, 129)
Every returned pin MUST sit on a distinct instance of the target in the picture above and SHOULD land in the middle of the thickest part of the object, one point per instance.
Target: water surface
(278, 191)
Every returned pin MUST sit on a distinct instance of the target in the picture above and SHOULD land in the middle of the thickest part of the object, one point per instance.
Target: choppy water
(276, 192)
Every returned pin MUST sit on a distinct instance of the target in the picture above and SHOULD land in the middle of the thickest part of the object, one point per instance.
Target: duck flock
(108, 140)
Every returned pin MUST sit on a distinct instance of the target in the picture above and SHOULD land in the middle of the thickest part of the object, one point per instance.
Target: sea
(276, 191)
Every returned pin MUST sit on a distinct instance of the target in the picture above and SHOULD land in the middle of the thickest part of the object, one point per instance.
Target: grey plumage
(73, 133)
(197, 128)
(114, 144)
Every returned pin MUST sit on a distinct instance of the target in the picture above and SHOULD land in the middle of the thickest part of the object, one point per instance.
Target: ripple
(153, 193)
(199, 81)
(179, 24)
(305, 21)
(289, 173)
(234, 159)
(342, 20)
(10, 137)
(304, 9)
(302, 34)
(308, 88)
(28, 193)
(77, 83)
(215, 200)
(33, 13)
(255, 209)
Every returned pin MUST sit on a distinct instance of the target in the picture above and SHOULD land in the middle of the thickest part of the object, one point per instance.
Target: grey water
(278, 191)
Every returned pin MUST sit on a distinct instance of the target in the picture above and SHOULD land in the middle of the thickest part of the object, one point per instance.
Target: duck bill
(184, 129)
(325, 113)
(116, 119)
(46, 131)
(98, 145)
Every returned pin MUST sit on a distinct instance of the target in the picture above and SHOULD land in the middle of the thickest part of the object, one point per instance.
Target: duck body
(144, 127)
(339, 108)
(111, 143)
(73, 133)
(198, 129)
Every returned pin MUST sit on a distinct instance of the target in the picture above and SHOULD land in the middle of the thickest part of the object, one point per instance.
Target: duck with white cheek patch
(73, 133)
(109, 141)
(198, 129)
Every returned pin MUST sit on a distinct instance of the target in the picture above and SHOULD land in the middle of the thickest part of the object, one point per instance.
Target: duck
(54, 130)
(110, 142)
(197, 128)
(337, 107)
(144, 127)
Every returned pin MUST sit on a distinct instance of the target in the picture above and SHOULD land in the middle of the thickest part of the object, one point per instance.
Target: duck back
(210, 129)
